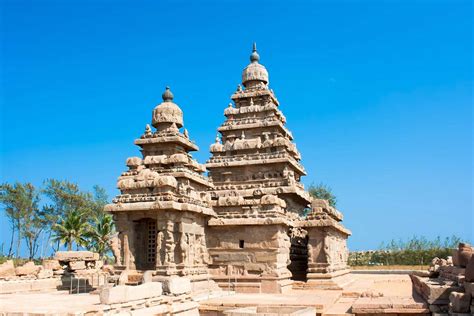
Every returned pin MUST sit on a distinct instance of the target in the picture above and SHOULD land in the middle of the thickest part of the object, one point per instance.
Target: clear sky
(378, 95)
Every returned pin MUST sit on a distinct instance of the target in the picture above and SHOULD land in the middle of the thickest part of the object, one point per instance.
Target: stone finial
(243, 135)
(218, 140)
(186, 133)
(251, 101)
(239, 88)
(147, 130)
(230, 104)
(167, 95)
(254, 57)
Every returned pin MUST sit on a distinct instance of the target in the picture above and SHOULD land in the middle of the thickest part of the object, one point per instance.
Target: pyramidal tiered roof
(166, 177)
(255, 165)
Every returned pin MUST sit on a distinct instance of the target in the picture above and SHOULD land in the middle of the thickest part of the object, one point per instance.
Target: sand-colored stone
(68, 256)
(271, 311)
(176, 285)
(19, 286)
(77, 265)
(459, 302)
(125, 293)
(45, 273)
(28, 268)
(7, 269)
(51, 264)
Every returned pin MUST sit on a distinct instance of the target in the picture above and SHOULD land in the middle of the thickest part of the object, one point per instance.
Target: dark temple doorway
(298, 254)
(146, 244)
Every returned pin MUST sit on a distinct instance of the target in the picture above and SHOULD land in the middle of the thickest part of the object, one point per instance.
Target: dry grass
(394, 267)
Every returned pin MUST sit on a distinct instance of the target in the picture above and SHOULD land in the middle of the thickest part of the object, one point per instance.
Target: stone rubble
(448, 289)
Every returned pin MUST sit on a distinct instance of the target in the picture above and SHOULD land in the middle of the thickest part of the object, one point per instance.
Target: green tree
(72, 229)
(98, 199)
(100, 234)
(64, 197)
(20, 203)
(322, 191)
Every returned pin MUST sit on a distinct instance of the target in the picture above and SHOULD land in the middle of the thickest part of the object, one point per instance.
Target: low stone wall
(125, 293)
(18, 286)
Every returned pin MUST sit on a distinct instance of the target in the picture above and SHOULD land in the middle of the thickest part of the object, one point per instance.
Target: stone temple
(248, 222)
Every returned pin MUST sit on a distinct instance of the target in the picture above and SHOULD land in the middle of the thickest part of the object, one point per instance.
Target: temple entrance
(298, 254)
(146, 244)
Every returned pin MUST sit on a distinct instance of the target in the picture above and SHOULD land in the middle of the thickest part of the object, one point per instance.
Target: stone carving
(159, 248)
(184, 245)
(114, 243)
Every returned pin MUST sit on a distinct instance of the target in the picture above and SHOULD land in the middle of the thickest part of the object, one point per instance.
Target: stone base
(242, 284)
(434, 291)
(196, 284)
(326, 281)
(19, 286)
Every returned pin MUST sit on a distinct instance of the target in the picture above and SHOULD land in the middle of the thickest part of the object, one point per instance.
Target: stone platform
(366, 295)
(387, 294)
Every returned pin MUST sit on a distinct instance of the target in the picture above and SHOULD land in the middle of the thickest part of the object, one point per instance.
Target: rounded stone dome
(167, 111)
(254, 71)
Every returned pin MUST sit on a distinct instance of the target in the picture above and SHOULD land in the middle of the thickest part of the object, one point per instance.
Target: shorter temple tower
(164, 203)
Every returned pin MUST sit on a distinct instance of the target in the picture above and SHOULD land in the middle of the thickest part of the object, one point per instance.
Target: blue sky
(378, 95)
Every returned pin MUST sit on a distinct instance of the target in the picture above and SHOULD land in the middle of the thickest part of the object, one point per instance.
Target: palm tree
(72, 229)
(100, 234)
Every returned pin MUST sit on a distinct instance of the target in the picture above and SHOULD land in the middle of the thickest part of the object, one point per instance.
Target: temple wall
(179, 241)
(249, 253)
(327, 250)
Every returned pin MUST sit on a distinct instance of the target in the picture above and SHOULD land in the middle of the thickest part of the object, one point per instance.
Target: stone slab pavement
(396, 290)
(57, 302)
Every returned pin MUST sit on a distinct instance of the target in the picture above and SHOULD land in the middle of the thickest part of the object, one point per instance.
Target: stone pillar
(126, 251)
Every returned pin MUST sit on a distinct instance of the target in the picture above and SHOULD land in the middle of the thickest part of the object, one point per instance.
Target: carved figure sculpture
(184, 245)
(114, 243)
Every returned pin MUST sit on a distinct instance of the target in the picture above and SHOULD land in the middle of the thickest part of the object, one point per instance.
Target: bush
(324, 192)
(416, 251)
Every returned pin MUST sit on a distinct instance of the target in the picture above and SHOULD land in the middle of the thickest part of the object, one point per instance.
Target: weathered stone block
(469, 288)
(469, 272)
(176, 285)
(434, 291)
(272, 310)
(77, 265)
(459, 302)
(265, 257)
(125, 293)
(147, 277)
(231, 257)
(45, 273)
(76, 255)
(51, 264)
(28, 268)
(7, 269)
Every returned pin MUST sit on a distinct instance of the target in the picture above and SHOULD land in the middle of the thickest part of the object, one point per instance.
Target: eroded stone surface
(176, 285)
(68, 256)
(459, 302)
(125, 293)
(28, 268)
(7, 269)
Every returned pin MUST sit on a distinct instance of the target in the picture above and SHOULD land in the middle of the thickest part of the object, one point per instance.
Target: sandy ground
(395, 290)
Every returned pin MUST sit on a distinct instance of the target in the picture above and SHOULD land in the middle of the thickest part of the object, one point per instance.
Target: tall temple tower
(257, 192)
